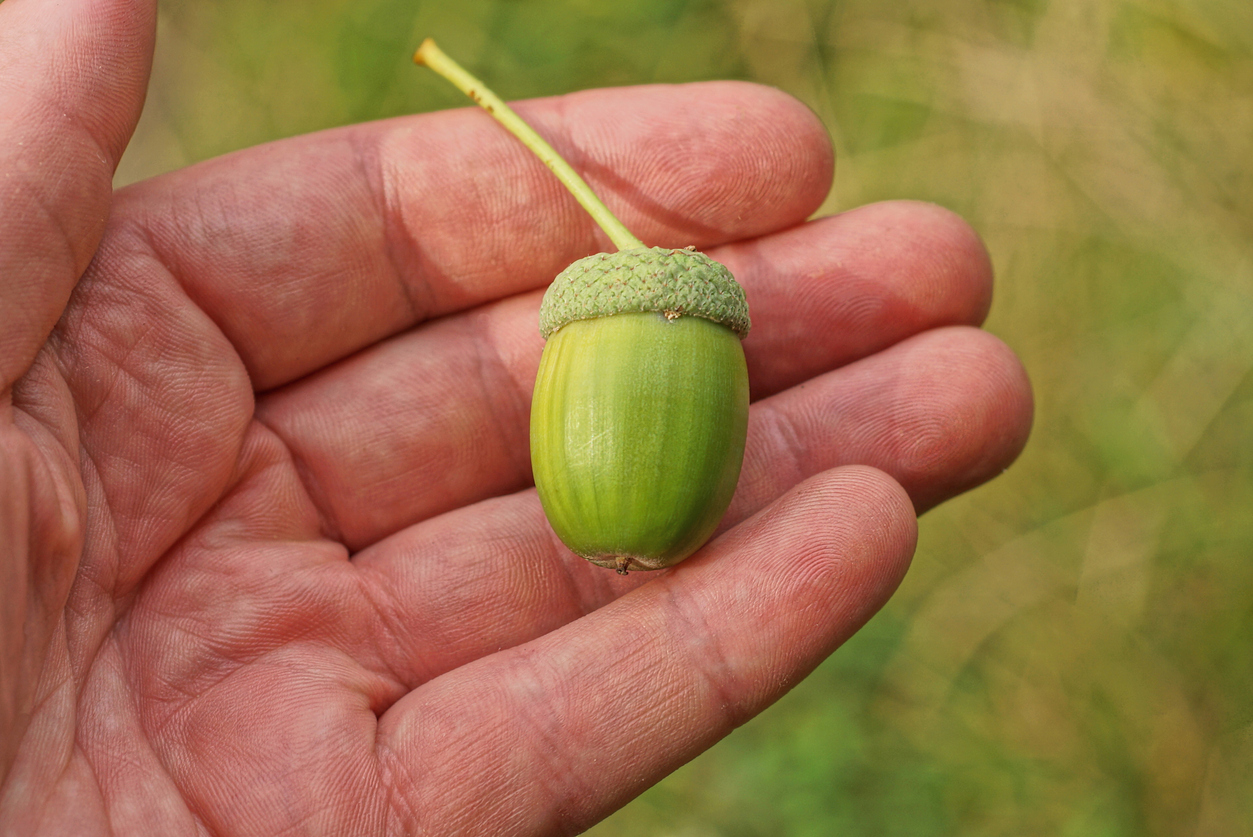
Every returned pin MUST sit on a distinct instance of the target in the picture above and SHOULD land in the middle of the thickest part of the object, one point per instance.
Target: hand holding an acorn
(272, 565)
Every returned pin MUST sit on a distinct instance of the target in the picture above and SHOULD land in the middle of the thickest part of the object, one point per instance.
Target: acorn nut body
(640, 410)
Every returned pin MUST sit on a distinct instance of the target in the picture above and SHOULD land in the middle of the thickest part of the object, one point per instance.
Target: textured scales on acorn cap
(677, 283)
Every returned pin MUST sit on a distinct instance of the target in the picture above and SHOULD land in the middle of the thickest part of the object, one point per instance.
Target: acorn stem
(433, 57)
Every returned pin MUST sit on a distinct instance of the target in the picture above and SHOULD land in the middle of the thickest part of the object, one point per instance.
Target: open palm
(271, 562)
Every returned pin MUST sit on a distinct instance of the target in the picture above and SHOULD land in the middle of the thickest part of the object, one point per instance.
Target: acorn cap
(672, 282)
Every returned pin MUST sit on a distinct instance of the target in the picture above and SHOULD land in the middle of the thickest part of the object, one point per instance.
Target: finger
(551, 736)
(306, 250)
(939, 413)
(72, 80)
(829, 293)
(437, 419)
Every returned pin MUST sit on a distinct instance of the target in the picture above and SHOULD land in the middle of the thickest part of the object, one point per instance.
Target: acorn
(640, 411)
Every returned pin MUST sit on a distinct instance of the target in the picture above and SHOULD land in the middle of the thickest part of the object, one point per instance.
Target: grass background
(1071, 652)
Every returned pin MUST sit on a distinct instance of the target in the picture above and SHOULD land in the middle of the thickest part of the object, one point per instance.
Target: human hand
(272, 564)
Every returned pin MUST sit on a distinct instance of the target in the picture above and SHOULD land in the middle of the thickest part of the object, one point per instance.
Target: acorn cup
(640, 411)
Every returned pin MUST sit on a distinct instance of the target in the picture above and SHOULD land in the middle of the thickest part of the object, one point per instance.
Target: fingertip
(843, 287)
(885, 504)
(978, 417)
(803, 145)
(843, 537)
(964, 258)
(753, 158)
(864, 530)
(1012, 396)
(941, 255)
(1003, 389)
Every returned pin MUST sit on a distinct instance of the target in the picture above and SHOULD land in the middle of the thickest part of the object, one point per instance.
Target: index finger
(550, 736)
(306, 250)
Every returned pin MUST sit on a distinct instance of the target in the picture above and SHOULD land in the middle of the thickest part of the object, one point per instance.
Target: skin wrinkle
(705, 656)
(10, 376)
(389, 611)
(63, 526)
(78, 256)
(392, 818)
(119, 366)
(44, 600)
(363, 770)
(42, 701)
(157, 727)
(223, 645)
(187, 225)
(107, 158)
(532, 191)
(147, 249)
(92, 565)
(494, 378)
(43, 408)
(57, 685)
(782, 430)
(36, 182)
(172, 620)
(23, 187)
(295, 491)
(557, 777)
(570, 783)
(399, 816)
(547, 730)
(483, 360)
(328, 526)
(399, 244)
(151, 611)
(197, 804)
(398, 774)
(435, 651)
(129, 765)
(379, 597)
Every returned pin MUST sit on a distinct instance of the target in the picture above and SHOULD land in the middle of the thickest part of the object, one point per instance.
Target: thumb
(72, 80)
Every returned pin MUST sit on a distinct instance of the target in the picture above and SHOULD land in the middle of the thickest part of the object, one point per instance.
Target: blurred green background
(1072, 652)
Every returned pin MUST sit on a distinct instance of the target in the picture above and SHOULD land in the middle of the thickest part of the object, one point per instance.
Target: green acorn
(640, 410)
